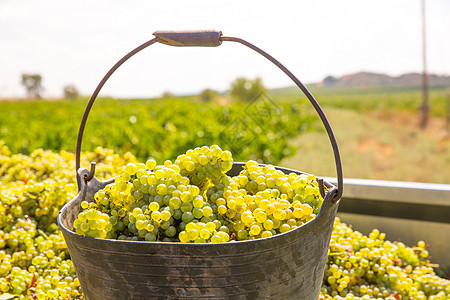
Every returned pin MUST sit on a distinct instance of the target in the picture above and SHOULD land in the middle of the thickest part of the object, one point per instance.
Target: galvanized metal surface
(286, 266)
(404, 200)
(397, 191)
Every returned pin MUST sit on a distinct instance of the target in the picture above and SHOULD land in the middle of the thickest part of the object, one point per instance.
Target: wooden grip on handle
(199, 38)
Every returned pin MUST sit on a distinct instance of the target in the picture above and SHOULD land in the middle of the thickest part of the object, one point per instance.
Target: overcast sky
(77, 42)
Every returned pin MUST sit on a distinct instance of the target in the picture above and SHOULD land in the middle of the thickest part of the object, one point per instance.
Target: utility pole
(447, 117)
(424, 109)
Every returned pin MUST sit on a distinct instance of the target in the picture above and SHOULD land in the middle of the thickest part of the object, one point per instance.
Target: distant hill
(366, 79)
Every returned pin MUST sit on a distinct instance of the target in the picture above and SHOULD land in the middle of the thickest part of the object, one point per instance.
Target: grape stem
(41, 233)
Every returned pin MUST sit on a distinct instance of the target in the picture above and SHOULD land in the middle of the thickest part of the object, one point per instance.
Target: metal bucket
(284, 266)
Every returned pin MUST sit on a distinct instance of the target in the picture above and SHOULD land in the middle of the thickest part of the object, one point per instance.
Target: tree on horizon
(33, 85)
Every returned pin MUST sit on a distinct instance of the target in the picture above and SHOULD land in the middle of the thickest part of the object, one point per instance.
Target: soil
(438, 128)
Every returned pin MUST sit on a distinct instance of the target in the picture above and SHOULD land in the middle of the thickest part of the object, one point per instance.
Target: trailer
(405, 211)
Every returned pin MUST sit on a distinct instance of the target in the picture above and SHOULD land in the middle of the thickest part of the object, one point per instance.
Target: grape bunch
(193, 200)
(204, 166)
(34, 261)
(156, 202)
(369, 267)
(261, 201)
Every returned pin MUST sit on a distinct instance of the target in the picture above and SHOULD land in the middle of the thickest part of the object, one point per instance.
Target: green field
(370, 99)
(159, 128)
(278, 128)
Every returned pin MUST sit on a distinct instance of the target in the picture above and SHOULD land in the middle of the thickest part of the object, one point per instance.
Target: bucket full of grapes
(203, 226)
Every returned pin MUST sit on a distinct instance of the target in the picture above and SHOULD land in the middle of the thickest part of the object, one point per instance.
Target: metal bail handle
(213, 38)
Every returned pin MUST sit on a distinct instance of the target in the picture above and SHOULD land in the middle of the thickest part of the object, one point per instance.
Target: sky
(77, 42)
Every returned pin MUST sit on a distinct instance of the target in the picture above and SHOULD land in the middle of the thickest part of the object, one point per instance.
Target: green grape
(151, 164)
(154, 206)
(205, 234)
(131, 169)
(211, 226)
(171, 231)
(187, 217)
(156, 216)
(183, 236)
(197, 212)
(165, 215)
(207, 211)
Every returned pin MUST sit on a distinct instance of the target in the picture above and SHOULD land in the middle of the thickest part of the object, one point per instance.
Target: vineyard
(160, 128)
(374, 99)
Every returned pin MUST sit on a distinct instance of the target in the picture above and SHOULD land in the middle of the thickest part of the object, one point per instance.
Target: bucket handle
(213, 38)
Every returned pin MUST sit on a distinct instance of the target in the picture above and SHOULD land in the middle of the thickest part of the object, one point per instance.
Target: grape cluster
(193, 200)
(35, 264)
(34, 261)
(156, 202)
(369, 267)
(261, 201)
(204, 166)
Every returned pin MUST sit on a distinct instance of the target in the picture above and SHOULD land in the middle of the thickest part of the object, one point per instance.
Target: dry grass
(377, 146)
